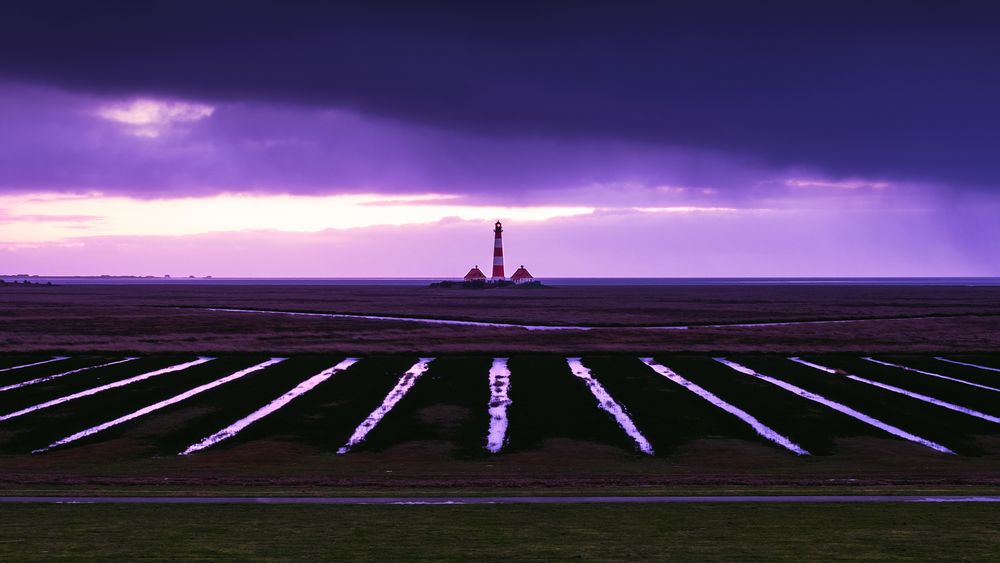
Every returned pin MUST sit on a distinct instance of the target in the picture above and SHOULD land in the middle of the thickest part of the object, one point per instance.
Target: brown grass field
(164, 318)
(158, 319)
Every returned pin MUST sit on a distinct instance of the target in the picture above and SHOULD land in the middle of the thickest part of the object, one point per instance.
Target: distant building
(522, 275)
(497, 278)
(475, 274)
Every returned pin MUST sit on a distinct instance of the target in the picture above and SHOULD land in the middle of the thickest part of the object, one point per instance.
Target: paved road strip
(729, 499)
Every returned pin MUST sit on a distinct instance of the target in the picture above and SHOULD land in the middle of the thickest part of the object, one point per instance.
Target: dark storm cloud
(903, 90)
(58, 141)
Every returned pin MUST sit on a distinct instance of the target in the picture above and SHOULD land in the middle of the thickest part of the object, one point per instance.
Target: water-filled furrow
(839, 407)
(58, 375)
(405, 383)
(759, 427)
(102, 388)
(967, 364)
(43, 362)
(609, 405)
(499, 401)
(160, 405)
(297, 391)
(930, 373)
(901, 391)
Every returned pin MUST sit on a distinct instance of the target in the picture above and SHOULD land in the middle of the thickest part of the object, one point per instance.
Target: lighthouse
(497, 253)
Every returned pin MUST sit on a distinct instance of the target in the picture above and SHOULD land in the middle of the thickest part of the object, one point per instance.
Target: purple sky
(647, 139)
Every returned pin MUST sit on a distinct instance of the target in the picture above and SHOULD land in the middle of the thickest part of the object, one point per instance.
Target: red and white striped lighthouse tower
(498, 253)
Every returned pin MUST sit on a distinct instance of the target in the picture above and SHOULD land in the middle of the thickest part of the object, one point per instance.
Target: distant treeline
(20, 283)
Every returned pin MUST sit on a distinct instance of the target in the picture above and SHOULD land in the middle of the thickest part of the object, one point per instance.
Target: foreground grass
(633, 532)
(469, 491)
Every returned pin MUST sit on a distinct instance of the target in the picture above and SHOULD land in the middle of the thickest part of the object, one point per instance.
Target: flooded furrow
(58, 375)
(900, 390)
(931, 374)
(43, 362)
(839, 407)
(967, 364)
(160, 405)
(499, 401)
(300, 389)
(609, 405)
(404, 384)
(759, 427)
(106, 387)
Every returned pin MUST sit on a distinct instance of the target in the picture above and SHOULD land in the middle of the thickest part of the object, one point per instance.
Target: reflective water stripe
(106, 387)
(977, 366)
(759, 427)
(403, 386)
(55, 359)
(297, 391)
(901, 391)
(839, 407)
(58, 375)
(160, 405)
(932, 374)
(499, 401)
(607, 403)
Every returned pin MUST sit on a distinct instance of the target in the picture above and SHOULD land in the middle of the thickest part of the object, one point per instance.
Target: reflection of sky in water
(837, 407)
(402, 387)
(609, 405)
(157, 406)
(56, 359)
(977, 366)
(901, 391)
(58, 375)
(300, 389)
(932, 374)
(106, 387)
(499, 401)
(759, 427)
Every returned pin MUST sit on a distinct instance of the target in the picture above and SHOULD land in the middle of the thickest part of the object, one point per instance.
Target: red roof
(521, 274)
(475, 274)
